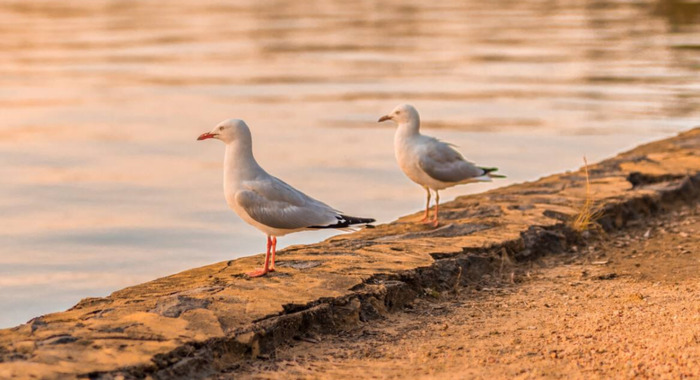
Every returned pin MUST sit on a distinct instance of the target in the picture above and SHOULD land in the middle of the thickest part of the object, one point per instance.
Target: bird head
(404, 113)
(228, 131)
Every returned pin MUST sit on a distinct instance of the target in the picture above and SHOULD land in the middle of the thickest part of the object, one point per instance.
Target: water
(104, 186)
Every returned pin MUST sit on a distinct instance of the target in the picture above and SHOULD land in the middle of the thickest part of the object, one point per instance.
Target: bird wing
(276, 204)
(438, 160)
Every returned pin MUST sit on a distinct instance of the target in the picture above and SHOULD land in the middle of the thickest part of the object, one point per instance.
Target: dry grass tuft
(588, 215)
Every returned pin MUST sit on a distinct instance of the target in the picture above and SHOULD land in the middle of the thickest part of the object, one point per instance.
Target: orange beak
(384, 118)
(205, 136)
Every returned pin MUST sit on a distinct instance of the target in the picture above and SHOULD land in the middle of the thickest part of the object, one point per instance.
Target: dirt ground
(627, 306)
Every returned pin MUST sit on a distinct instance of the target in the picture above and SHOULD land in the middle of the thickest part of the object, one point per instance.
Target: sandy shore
(624, 306)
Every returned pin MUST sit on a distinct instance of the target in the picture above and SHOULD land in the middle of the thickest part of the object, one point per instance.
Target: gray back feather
(445, 164)
(276, 204)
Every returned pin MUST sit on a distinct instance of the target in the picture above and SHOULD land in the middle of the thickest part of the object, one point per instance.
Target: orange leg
(274, 252)
(437, 209)
(426, 216)
(263, 271)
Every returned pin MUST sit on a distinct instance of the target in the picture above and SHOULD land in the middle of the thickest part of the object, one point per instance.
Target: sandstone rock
(200, 321)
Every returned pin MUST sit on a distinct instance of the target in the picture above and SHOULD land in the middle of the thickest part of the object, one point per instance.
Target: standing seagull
(264, 201)
(430, 162)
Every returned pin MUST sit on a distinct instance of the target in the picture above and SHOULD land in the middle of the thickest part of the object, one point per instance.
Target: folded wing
(276, 204)
(438, 160)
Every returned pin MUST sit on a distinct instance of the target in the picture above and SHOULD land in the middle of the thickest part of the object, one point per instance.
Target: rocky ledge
(207, 320)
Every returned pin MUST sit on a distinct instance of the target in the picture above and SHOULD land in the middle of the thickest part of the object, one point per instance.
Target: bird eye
(221, 128)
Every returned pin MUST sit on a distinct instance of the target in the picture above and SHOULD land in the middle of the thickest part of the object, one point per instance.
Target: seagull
(429, 162)
(264, 201)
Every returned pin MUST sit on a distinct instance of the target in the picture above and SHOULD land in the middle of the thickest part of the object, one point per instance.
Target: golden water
(103, 184)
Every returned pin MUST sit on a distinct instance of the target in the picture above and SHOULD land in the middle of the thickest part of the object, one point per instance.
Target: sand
(625, 306)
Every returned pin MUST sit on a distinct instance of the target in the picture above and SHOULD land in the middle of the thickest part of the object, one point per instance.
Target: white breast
(407, 154)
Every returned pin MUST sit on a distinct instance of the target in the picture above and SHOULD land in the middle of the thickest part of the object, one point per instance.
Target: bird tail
(490, 172)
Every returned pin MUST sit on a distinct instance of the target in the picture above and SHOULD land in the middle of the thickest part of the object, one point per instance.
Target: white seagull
(264, 201)
(430, 162)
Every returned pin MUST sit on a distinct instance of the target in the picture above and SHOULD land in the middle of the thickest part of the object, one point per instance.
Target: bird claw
(435, 223)
(258, 273)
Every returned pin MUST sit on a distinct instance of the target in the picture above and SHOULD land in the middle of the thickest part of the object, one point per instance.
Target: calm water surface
(104, 186)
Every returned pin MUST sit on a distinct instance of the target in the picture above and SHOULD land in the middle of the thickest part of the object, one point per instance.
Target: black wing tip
(347, 221)
(490, 172)
(355, 220)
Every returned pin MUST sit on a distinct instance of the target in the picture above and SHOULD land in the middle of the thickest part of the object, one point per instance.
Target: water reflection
(104, 186)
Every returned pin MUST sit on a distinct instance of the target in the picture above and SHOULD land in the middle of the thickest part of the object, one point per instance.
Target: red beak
(205, 136)
(384, 118)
